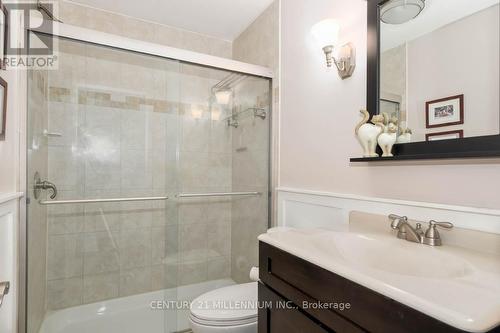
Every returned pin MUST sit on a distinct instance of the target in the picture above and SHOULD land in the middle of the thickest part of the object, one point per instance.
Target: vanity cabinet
(287, 278)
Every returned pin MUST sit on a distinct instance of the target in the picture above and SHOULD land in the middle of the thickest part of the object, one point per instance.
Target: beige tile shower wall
(250, 173)
(37, 215)
(258, 44)
(91, 18)
(111, 110)
(393, 76)
(204, 166)
(134, 125)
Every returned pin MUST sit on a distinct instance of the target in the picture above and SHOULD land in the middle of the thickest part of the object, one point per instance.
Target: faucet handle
(432, 236)
(446, 225)
(396, 220)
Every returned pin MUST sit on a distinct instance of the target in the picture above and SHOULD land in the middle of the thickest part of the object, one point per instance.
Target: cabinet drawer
(275, 317)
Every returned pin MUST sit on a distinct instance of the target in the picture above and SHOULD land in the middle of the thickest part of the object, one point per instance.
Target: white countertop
(458, 286)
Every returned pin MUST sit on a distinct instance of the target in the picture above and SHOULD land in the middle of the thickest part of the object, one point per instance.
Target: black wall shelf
(478, 154)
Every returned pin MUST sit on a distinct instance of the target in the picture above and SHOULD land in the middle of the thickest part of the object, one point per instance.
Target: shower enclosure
(148, 180)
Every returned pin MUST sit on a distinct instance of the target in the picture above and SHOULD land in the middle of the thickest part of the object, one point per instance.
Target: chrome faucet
(407, 231)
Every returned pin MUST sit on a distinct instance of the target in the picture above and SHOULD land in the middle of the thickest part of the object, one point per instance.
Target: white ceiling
(437, 13)
(224, 19)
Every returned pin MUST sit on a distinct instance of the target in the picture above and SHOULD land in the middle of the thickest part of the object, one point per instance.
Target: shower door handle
(44, 185)
(4, 290)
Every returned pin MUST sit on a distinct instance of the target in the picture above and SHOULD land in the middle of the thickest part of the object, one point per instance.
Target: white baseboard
(304, 208)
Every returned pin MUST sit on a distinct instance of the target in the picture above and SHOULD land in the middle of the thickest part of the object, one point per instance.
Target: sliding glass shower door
(162, 177)
(103, 126)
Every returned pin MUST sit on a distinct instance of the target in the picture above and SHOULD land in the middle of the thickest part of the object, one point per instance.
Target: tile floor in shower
(131, 314)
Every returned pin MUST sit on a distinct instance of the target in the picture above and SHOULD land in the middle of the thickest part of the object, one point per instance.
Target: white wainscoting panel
(9, 206)
(303, 208)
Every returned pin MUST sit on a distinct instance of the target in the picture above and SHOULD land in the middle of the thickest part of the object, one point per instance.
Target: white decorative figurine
(404, 135)
(368, 133)
(387, 139)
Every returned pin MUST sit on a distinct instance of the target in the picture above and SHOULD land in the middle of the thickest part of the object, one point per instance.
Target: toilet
(230, 309)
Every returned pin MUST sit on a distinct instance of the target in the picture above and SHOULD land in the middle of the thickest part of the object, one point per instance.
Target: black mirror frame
(473, 147)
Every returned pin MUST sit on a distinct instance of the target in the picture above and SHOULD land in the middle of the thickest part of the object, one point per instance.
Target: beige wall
(448, 61)
(9, 149)
(319, 112)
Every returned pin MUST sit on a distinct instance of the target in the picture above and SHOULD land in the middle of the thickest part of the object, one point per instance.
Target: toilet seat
(216, 323)
(229, 306)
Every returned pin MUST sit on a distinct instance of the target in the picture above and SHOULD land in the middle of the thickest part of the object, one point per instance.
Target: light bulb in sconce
(327, 33)
(216, 113)
(196, 113)
(223, 96)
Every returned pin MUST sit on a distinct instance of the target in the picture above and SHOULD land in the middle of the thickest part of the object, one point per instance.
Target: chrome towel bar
(223, 194)
(65, 202)
(181, 195)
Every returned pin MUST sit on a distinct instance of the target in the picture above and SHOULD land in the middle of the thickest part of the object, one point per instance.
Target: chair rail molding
(302, 208)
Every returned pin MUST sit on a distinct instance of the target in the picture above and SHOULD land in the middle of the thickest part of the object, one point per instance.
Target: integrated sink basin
(393, 256)
(455, 285)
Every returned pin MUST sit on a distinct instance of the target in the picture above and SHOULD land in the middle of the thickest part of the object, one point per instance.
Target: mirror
(439, 68)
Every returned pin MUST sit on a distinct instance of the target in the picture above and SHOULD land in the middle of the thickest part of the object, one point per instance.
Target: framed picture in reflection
(3, 108)
(445, 112)
(449, 135)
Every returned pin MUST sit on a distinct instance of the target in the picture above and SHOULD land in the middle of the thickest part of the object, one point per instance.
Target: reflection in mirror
(439, 70)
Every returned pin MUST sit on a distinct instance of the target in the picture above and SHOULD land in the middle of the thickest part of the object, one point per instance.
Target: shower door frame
(79, 34)
(128, 44)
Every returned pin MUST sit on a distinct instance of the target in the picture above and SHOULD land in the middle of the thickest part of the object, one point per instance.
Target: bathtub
(132, 314)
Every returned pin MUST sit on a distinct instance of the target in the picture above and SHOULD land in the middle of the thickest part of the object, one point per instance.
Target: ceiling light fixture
(401, 11)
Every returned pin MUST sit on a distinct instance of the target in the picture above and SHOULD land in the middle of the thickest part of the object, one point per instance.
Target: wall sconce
(326, 32)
